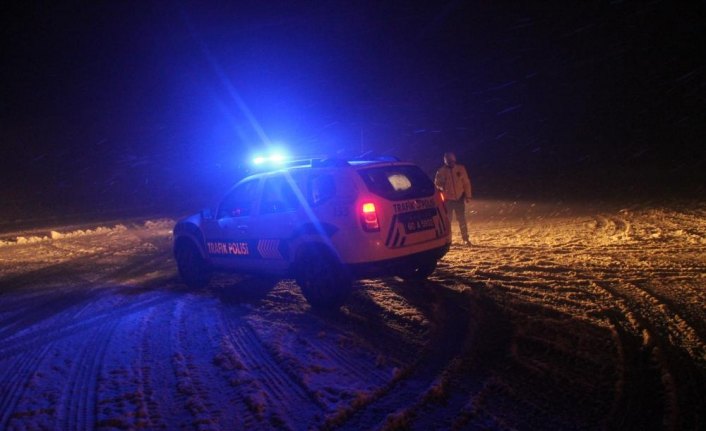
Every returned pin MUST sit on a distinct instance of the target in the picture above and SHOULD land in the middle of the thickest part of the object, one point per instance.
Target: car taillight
(369, 217)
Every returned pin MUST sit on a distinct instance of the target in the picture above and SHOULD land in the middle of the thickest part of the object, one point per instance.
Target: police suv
(324, 222)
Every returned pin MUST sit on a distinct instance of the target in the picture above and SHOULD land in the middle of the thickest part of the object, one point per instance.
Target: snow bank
(55, 235)
(159, 224)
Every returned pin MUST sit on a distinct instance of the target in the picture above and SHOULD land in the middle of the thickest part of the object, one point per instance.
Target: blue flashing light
(273, 159)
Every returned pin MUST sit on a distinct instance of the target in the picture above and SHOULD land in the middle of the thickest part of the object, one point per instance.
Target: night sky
(156, 104)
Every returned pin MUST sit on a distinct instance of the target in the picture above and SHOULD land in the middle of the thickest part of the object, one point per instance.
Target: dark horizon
(120, 105)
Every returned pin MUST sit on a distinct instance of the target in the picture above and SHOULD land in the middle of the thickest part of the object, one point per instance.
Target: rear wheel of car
(419, 271)
(324, 281)
(192, 267)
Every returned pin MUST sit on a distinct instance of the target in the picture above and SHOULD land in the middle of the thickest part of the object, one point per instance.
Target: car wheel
(192, 267)
(419, 270)
(324, 281)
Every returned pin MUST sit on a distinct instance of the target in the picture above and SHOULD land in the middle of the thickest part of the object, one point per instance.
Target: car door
(279, 212)
(228, 237)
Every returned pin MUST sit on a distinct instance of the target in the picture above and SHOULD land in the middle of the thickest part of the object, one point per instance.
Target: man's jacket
(454, 182)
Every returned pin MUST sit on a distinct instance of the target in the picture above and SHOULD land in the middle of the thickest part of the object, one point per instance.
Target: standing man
(452, 179)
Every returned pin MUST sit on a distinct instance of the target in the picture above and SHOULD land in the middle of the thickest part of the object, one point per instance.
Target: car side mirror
(206, 214)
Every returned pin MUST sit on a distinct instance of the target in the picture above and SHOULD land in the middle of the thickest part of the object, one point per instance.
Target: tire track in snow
(280, 385)
(375, 325)
(672, 325)
(363, 371)
(454, 327)
(83, 291)
(189, 386)
(679, 374)
(331, 345)
(560, 288)
(155, 372)
(475, 414)
(122, 400)
(29, 356)
(462, 378)
(642, 345)
(642, 383)
(199, 378)
(68, 302)
(14, 380)
(550, 342)
(67, 327)
(683, 325)
(77, 406)
(232, 370)
(634, 405)
(636, 365)
(646, 393)
(319, 352)
(144, 391)
(216, 369)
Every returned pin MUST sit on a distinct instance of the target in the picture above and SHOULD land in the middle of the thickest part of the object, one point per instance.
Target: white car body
(267, 219)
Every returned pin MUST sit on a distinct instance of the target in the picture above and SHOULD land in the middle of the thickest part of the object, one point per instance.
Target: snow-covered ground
(561, 316)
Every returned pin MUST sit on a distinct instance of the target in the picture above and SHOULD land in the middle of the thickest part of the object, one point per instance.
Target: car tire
(419, 271)
(192, 267)
(323, 280)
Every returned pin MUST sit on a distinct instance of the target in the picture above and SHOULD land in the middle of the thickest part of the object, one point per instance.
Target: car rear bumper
(390, 267)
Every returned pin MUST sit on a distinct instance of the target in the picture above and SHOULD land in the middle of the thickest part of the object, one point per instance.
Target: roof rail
(378, 158)
(329, 163)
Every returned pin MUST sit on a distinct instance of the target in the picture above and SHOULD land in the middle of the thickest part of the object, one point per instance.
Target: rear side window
(278, 196)
(321, 189)
(398, 182)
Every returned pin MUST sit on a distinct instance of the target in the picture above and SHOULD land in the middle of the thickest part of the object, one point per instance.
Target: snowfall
(560, 316)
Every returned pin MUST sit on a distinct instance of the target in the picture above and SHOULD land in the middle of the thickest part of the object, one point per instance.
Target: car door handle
(242, 227)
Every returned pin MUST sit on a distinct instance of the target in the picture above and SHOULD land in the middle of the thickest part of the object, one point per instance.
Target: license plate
(411, 226)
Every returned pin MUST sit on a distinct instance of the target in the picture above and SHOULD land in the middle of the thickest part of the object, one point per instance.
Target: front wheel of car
(324, 281)
(192, 268)
(419, 271)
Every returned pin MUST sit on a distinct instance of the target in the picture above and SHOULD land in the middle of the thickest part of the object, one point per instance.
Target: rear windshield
(397, 182)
